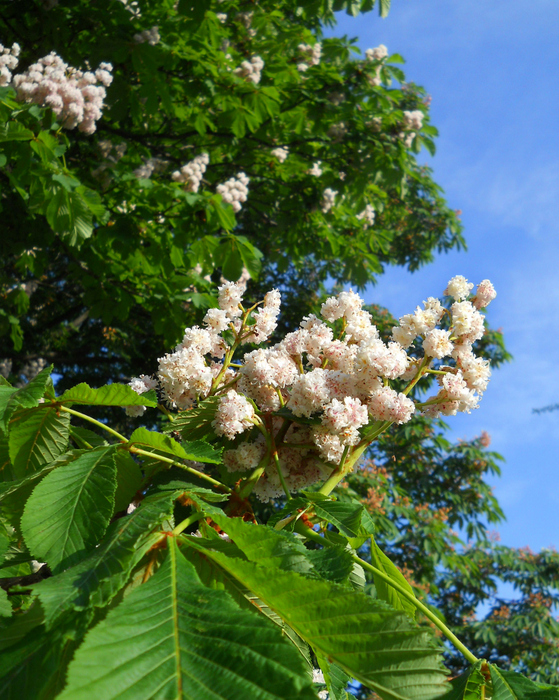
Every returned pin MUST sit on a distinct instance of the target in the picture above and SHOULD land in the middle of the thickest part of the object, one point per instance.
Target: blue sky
(492, 70)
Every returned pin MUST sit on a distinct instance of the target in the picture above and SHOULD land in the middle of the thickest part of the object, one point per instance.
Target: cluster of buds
(151, 36)
(310, 404)
(367, 215)
(311, 56)
(73, 95)
(251, 70)
(8, 63)
(328, 200)
(280, 153)
(192, 173)
(235, 191)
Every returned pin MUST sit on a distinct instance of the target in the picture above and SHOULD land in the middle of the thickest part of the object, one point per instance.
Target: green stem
(190, 470)
(192, 518)
(281, 476)
(340, 472)
(95, 422)
(452, 638)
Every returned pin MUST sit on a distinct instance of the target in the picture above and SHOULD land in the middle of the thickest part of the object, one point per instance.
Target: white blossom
(192, 173)
(76, 97)
(235, 191)
(151, 36)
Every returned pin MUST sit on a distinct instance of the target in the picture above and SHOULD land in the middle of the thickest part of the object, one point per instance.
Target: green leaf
(508, 685)
(175, 638)
(196, 424)
(26, 397)
(5, 607)
(270, 548)
(33, 662)
(68, 512)
(7, 488)
(335, 677)
(109, 395)
(128, 480)
(197, 451)
(384, 8)
(345, 516)
(384, 590)
(99, 577)
(473, 685)
(14, 131)
(37, 436)
(372, 642)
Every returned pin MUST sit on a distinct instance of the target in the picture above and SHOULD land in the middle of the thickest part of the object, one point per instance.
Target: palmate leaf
(68, 512)
(110, 395)
(99, 577)
(372, 642)
(175, 638)
(37, 436)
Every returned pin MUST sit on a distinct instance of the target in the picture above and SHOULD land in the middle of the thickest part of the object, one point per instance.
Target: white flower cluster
(222, 17)
(192, 173)
(368, 215)
(341, 383)
(281, 153)
(151, 36)
(150, 166)
(140, 385)
(328, 200)
(462, 385)
(235, 191)
(8, 63)
(316, 170)
(414, 120)
(251, 70)
(311, 55)
(376, 54)
(73, 95)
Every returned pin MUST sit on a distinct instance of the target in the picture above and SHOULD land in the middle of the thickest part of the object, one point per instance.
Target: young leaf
(109, 395)
(68, 512)
(372, 642)
(173, 637)
(384, 590)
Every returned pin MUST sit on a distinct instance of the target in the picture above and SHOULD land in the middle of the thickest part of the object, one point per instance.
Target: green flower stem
(281, 476)
(92, 420)
(340, 472)
(192, 518)
(190, 470)
(452, 638)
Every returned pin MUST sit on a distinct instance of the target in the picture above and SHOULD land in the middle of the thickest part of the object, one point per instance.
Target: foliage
(107, 255)
(106, 259)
